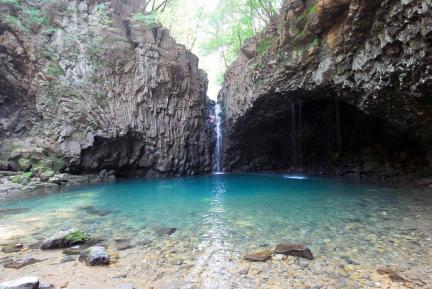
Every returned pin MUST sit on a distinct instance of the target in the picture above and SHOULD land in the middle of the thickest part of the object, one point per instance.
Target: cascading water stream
(218, 138)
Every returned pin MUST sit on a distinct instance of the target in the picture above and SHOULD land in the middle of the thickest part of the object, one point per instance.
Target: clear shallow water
(225, 216)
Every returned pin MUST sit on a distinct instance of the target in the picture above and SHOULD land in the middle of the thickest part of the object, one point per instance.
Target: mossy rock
(23, 178)
(49, 164)
(39, 167)
(77, 237)
(48, 174)
(24, 164)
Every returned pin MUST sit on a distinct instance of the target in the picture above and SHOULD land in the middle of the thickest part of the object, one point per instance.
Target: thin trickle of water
(293, 134)
(338, 127)
(297, 133)
(218, 138)
(300, 134)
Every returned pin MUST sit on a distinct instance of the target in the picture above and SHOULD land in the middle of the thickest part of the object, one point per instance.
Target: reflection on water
(213, 263)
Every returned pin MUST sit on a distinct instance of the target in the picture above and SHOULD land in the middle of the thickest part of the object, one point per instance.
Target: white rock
(22, 283)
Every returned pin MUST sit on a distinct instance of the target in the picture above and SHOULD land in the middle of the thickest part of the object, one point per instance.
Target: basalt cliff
(89, 85)
(336, 86)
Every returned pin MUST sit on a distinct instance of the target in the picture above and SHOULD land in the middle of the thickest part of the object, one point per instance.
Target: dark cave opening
(320, 133)
(123, 155)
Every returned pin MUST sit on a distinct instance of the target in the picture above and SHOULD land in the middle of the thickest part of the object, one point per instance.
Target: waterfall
(218, 138)
(296, 134)
(338, 127)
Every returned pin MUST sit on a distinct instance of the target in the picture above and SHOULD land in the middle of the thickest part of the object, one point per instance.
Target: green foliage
(15, 3)
(150, 19)
(312, 9)
(25, 16)
(263, 45)
(12, 21)
(233, 22)
(48, 174)
(77, 237)
(103, 13)
(33, 16)
(23, 178)
(24, 164)
(54, 70)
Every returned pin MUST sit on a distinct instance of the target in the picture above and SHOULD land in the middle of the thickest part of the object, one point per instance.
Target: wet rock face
(104, 91)
(329, 80)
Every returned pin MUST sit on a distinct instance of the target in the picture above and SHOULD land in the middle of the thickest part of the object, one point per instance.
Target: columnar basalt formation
(343, 83)
(94, 85)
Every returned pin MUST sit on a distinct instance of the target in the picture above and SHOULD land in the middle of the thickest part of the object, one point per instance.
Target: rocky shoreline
(165, 262)
(15, 185)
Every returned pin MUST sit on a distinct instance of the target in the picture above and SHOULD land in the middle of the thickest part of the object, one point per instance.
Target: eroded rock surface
(88, 88)
(334, 82)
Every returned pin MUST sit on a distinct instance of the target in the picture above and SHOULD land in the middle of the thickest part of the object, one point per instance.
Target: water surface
(222, 217)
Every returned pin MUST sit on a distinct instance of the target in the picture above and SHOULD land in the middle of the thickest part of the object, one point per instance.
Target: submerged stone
(75, 250)
(94, 256)
(13, 211)
(259, 256)
(94, 211)
(22, 283)
(297, 250)
(123, 245)
(166, 231)
(12, 248)
(144, 242)
(392, 274)
(18, 264)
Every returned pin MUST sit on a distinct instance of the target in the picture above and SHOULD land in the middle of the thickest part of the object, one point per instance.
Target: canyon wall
(92, 85)
(337, 85)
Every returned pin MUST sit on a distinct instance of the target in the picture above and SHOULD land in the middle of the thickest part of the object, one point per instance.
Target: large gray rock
(22, 283)
(94, 256)
(65, 239)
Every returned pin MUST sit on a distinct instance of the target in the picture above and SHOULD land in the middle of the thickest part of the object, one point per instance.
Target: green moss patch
(77, 237)
(23, 178)
(263, 45)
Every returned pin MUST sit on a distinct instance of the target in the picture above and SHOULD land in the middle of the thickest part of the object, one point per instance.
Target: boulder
(22, 283)
(94, 256)
(259, 256)
(65, 239)
(126, 286)
(298, 250)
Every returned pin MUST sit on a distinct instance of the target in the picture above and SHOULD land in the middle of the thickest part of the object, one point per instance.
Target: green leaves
(150, 19)
(103, 14)
(233, 22)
